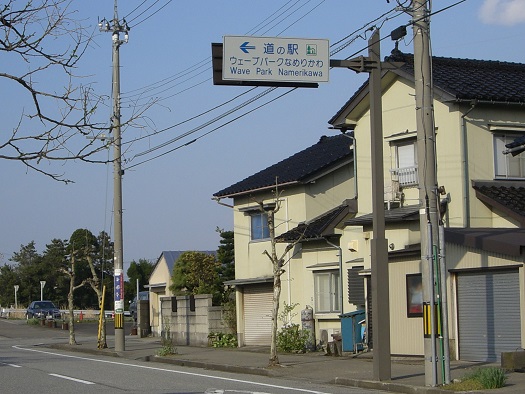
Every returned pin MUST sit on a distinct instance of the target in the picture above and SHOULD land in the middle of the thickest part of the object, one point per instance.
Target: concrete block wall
(191, 327)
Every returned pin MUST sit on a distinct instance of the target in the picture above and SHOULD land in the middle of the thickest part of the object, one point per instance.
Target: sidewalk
(408, 374)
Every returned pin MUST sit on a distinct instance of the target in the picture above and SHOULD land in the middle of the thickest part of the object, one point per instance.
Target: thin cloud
(502, 12)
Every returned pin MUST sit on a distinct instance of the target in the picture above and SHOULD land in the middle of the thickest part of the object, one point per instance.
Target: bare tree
(41, 41)
(70, 272)
(278, 264)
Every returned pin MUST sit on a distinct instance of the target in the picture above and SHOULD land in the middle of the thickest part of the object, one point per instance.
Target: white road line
(12, 365)
(70, 378)
(171, 371)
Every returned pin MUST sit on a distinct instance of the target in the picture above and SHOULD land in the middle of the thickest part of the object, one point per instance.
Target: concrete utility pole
(116, 27)
(428, 188)
(382, 369)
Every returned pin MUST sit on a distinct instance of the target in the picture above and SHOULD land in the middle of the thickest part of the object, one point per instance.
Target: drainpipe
(465, 167)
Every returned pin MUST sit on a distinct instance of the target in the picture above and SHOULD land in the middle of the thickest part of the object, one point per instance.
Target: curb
(389, 386)
(211, 366)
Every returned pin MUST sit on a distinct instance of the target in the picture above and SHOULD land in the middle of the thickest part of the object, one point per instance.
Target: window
(406, 162)
(259, 226)
(327, 291)
(506, 166)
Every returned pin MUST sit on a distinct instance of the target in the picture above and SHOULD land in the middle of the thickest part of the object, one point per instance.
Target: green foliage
(226, 255)
(480, 379)
(33, 322)
(29, 267)
(195, 273)
(290, 338)
(141, 271)
(219, 339)
(490, 377)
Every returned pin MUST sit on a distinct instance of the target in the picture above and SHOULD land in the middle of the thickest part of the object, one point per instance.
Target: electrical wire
(215, 129)
(236, 108)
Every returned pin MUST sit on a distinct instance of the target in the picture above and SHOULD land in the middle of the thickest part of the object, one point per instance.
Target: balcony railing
(406, 176)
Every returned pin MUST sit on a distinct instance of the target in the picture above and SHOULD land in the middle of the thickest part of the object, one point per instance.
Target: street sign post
(275, 59)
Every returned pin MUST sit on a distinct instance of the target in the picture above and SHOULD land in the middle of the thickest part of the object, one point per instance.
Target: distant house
(316, 189)
(159, 286)
(478, 108)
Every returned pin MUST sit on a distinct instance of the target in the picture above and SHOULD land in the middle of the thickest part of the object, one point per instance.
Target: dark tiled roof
(463, 79)
(507, 196)
(321, 226)
(408, 213)
(468, 79)
(509, 241)
(327, 153)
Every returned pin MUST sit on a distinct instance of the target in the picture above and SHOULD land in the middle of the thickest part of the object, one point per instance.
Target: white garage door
(258, 314)
(488, 314)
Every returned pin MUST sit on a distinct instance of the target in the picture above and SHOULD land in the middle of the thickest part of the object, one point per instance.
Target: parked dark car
(143, 296)
(42, 310)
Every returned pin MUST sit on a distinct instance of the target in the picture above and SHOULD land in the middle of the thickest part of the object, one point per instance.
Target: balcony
(406, 176)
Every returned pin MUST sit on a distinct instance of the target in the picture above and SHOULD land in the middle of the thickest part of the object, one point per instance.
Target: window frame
(333, 296)
(263, 232)
(506, 161)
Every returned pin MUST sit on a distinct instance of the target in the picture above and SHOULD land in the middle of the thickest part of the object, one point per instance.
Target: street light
(42, 284)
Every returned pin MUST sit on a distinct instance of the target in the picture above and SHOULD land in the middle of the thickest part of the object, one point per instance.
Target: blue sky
(167, 200)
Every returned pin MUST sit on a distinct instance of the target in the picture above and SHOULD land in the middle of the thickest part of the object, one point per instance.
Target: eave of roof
(507, 196)
(403, 214)
(321, 226)
(327, 155)
(508, 241)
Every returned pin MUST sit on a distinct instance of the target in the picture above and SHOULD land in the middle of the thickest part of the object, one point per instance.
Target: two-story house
(478, 108)
(316, 189)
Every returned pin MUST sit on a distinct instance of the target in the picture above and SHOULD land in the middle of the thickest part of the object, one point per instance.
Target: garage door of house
(258, 314)
(488, 314)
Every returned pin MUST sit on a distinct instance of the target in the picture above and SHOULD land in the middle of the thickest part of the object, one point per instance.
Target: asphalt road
(26, 367)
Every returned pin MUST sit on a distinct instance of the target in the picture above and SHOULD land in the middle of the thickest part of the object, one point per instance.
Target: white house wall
(299, 203)
(399, 117)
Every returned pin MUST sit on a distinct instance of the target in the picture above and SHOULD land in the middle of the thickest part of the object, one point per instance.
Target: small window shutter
(356, 286)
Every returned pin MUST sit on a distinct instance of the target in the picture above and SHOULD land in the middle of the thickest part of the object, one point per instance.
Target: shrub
(292, 339)
(218, 339)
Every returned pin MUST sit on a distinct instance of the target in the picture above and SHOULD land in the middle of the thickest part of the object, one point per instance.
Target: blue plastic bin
(351, 330)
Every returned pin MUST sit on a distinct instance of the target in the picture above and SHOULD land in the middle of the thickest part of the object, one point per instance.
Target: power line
(366, 26)
(215, 129)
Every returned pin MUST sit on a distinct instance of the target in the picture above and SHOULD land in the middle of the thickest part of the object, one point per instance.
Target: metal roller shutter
(488, 314)
(258, 314)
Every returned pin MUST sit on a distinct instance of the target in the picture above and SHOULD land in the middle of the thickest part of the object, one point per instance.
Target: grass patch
(480, 379)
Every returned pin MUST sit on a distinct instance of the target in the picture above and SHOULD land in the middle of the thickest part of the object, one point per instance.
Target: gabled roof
(507, 196)
(328, 154)
(322, 225)
(393, 215)
(460, 80)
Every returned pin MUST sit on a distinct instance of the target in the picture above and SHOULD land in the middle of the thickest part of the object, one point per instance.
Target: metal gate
(258, 314)
(488, 314)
